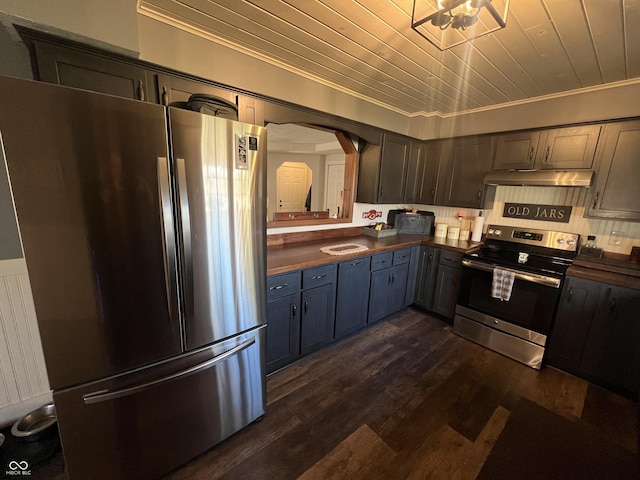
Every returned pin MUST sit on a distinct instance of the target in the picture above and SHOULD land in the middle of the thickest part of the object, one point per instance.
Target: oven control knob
(560, 241)
(571, 241)
(498, 232)
(490, 231)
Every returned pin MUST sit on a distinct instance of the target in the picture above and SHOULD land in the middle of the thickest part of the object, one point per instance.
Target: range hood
(541, 178)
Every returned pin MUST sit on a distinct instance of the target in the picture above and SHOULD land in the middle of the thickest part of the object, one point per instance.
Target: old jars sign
(532, 211)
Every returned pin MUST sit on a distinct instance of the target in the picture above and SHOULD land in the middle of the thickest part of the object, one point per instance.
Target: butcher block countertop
(295, 256)
(613, 268)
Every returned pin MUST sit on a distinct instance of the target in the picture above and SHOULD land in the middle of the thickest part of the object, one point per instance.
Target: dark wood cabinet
(463, 166)
(573, 319)
(412, 275)
(388, 289)
(516, 151)
(555, 149)
(176, 89)
(422, 173)
(79, 69)
(612, 351)
(283, 320)
(383, 170)
(596, 334)
(426, 277)
(318, 313)
(447, 283)
(616, 194)
(352, 304)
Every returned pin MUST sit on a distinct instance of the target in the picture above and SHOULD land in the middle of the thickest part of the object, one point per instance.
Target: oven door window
(531, 305)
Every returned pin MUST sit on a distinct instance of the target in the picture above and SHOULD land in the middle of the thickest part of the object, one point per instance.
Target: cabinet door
(78, 69)
(425, 283)
(445, 295)
(617, 190)
(380, 280)
(174, 89)
(352, 303)
(318, 314)
(578, 303)
(397, 288)
(427, 173)
(571, 147)
(612, 351)
(516, 151)
(412, 276)
(283, 331)
(464, 164)
(250, 110)
(414, 165)
(393, 169)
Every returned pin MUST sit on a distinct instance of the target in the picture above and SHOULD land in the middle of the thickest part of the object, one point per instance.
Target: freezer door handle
(187, 263)
(168, 237)
(106, 395)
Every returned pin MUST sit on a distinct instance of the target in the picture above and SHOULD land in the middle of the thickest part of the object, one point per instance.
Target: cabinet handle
(569, 294)
(612, 305)
(294, 310)
(531, 153)
(546, 154)
(318, 277)
(393, 279)
(306, 306)
(165, 97)
(140, 90)
(355, 264)
(433, 193)
(278, 287)
(595, 201)
(479, 194)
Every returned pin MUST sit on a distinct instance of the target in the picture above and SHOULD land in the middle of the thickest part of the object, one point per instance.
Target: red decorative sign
(372, 214)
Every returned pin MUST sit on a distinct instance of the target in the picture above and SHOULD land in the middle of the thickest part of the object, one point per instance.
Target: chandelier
(447, 23)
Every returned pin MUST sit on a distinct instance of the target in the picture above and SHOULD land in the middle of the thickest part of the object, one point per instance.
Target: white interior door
(334, 187)
(292, 187)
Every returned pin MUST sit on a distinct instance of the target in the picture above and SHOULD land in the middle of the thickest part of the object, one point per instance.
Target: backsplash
(576, 197)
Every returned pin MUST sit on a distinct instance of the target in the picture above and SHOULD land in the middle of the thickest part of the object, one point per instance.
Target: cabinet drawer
(452, 259)
(402, 255)
(314, 277)
(381, 260)
(282, 285)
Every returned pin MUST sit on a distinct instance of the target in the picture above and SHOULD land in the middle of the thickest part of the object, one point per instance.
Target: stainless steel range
(510, 288)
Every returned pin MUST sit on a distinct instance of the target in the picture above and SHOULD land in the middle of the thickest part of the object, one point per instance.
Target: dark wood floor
(408, 399)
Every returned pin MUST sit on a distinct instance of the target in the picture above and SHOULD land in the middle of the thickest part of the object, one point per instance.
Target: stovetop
(531, 250)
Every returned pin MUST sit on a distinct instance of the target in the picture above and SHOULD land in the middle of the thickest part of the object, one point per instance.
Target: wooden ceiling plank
(631, 29)
(571, 24)
(605, 21)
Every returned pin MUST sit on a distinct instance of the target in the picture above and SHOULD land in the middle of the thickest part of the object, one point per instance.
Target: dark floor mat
(541, 445)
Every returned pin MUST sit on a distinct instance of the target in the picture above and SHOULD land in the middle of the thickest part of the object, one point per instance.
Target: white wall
(111, 22)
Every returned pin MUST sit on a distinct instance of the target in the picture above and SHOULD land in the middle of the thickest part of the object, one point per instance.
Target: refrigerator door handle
(187, 264)
(106, 395)
(168, 237)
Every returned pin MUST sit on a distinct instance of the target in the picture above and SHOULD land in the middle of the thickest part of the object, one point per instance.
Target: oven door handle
(526, 276)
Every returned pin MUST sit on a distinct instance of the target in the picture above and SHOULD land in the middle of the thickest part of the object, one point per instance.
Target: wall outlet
(616, 238)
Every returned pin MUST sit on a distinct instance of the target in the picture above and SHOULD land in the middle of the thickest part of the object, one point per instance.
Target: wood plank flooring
(408, 399)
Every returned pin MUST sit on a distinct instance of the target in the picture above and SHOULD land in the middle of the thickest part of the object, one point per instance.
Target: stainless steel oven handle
(526, 276)
(106, 395)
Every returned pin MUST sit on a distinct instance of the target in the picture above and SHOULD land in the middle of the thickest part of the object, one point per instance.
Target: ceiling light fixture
(447, 23)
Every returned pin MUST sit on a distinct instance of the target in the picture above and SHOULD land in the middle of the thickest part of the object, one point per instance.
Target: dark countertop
(613, 268)
(295, 256)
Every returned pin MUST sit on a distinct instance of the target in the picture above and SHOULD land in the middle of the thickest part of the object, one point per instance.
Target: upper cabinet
(616, 193)
(422, 173)
(556, 149)
(383, 170)
(76, 68)
(463, 165)
(174, 89)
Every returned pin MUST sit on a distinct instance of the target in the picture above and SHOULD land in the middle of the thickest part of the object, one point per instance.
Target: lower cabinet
(308, 309)
(438, 280)
(388, 283)
(352, 303)
(596, 334)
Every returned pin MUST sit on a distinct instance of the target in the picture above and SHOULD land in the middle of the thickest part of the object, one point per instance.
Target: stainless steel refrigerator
(143, 232)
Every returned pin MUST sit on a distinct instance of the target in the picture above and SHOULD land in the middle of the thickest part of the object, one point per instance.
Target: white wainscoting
(24, 385)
